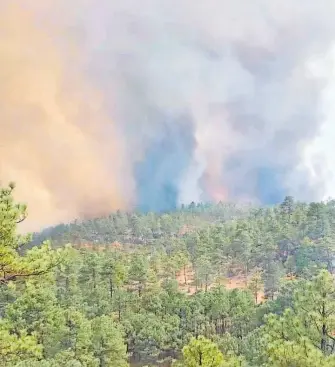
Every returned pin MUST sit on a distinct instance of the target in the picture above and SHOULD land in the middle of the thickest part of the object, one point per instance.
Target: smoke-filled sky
(107, 105)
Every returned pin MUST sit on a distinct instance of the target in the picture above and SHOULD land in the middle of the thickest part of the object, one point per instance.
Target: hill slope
(136, 288)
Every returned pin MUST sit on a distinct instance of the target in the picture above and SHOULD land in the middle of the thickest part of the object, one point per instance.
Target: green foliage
(16, 347)
(12, 263)
(303, 334)
(202, 352)
(162, 292)
(255, 284)
(107, 343)
(19, 339)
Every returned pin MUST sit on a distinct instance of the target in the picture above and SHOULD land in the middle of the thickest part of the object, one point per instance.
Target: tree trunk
(111, 288)
(323, 344)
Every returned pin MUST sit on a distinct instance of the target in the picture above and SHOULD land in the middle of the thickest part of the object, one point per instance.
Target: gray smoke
(241, 71)
(210, 100)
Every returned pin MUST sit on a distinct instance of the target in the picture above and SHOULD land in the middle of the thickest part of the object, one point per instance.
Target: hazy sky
(107, 105)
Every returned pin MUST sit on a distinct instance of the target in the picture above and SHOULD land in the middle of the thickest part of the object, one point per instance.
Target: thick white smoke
(243, 72)
(166, 101)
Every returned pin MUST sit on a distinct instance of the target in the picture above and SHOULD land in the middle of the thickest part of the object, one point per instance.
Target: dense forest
(213, 285)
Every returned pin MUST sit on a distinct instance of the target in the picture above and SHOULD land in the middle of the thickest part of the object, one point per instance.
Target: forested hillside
(206, 285)
(138, 228)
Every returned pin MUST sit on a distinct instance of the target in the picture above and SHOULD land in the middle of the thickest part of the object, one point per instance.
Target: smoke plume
(107, 105)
